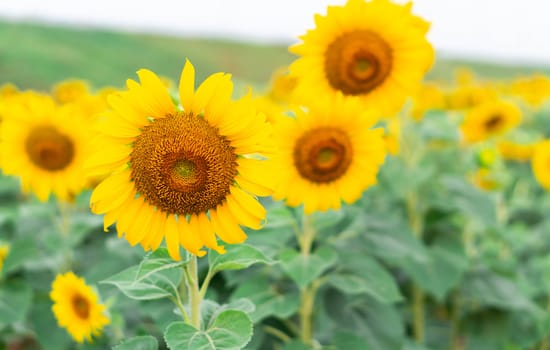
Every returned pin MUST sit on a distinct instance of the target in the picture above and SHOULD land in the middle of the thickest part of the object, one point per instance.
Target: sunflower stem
(418, 297)
(307, 294)
(205, 283)
(456, 339)
(195, 298)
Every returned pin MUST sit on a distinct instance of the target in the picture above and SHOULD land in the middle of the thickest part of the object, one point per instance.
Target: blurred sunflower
(327, 155)
(519, 152)
(374, 51)
(70, 90)
(4, 251)
(45, 145)
(76, 307)
(8, 90)
(540, 163)
(182, 175)
(490, 119)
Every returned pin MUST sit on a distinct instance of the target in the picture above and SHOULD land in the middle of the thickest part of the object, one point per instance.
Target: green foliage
(229, 330)
(424, 249)
(156, 277)
(145, 342)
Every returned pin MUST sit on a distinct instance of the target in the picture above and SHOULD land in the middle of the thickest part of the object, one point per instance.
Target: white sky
(503, 30)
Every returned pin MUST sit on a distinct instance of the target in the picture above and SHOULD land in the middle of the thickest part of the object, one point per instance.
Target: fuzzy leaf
(231, 330)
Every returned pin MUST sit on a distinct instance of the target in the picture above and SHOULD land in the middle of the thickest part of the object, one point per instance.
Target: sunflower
(76, 307)
(182, 174)
(540, 163)
(519, 152)
(4, 251)
(8, 90)
(373, 51)
(327, 155)
(70, 90)
(44, 144)
(490, 119)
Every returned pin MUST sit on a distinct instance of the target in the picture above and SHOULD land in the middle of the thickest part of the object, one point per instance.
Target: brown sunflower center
(81, 307)
(357, 62)
(49, 149)
(181, 164)
(493, 123)
(323, 155)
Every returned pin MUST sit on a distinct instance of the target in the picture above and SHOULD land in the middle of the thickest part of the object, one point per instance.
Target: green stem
(205, 283)
(195, 298)
(307, 237)
(183, 312)
(455, 341)
(307, 295)
(418, 297)
(277, 333)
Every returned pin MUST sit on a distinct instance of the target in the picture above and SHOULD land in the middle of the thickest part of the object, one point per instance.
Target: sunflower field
(355, 192)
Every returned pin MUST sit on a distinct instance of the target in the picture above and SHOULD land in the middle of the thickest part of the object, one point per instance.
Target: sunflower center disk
(81, 307)
(49, 149)
(181, 165)
(493, 123)
(357, 62)
(323, 155)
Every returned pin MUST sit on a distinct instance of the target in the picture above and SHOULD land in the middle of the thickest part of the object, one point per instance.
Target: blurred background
(42, 42)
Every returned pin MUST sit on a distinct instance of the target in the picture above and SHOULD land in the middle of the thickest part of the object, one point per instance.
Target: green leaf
(210, 309)
(296, 345)
(346, 340)
(230, 330)
(381, 325)
(267, 299)
(156, 277)
(48, 333)
(391, 240)
(15, 300)
(237, 257)
(303, 269)
(20, 252)
(488, 288)
(368, 277)
(475, 205)
(145, 342)
(443, 271)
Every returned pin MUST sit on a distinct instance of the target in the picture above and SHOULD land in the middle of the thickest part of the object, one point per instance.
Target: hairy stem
(195, 297)
(307, 295)
(418, 297)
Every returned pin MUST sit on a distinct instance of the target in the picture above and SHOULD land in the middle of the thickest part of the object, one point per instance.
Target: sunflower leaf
(230, 330)
(156, 277)
(270, 301)
(237, 257)
(15, 300)
(145, 342)
(303, 269)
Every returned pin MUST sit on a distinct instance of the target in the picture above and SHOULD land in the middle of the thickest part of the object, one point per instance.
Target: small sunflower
(45, 145)
(327, 155)
(540, 163)
(77, 308)
(373, 51)
(70, 90)
(519, 152)
(490, 119)
(4, 251)
(181, 174)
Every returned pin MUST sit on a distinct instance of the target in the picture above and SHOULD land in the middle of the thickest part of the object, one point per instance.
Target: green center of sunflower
(49, 149)
(182, 165)
(493, 123)
(323, 155)
(357, 62)
(81, 307)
